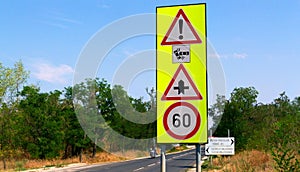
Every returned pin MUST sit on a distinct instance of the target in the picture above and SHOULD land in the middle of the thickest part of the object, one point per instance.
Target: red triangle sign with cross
(181, 31)
(181, 87)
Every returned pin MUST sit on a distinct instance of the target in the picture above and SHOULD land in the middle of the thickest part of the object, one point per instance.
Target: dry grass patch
(133, 154)
(103, 157)
(16, 165)
(253, 160)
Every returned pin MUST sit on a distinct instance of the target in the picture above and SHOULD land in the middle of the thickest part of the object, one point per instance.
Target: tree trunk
(94, 148)
(66, 152)
(4, 163)
(81, 149)
(80, 155)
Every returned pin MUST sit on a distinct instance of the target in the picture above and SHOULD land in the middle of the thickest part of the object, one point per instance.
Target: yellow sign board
(181, 74)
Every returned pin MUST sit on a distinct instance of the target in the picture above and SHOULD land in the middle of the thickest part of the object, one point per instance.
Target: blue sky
(258, 41)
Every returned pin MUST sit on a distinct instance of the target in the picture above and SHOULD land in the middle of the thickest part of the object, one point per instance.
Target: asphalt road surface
(178, 162)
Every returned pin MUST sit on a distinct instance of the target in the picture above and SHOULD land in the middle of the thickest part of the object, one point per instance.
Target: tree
(283, 106)
(11, 80)
(216, 111)
(86, 111)
(42, 123)
(236, 115)
(285, 143)
(73, 133)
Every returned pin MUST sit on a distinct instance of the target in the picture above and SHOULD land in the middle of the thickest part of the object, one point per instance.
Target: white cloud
(234, 55)
(240, 55)
(102, 4)
(129, 52)
(52, 74)
(58, 19)
(62, 26)
(67, 20)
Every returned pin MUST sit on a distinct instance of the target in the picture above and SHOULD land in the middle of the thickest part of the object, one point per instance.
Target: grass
(101, 157)
(177, 149)
(250, 161)
(21, 165)
(133, 154)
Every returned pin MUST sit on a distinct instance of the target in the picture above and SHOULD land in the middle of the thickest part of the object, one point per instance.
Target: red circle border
(189, 135)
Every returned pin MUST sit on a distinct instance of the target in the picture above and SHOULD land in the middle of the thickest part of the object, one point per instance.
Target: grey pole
(210, 157)
(198, 157)
(163, 158)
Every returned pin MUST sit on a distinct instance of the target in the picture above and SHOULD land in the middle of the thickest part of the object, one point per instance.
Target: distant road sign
(221, 141)
(220, 146)
(219, 150)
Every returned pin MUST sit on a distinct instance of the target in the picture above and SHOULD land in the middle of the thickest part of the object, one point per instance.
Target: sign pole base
(198, 158)
(163, 158)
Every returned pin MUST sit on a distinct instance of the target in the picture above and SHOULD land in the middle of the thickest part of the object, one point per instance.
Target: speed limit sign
(181, 120)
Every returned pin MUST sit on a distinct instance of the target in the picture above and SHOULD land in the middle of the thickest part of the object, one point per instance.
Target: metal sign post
(198, 158)
(163, 158)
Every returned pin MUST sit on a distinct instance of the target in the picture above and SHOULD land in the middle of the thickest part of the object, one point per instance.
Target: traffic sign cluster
(185, 120)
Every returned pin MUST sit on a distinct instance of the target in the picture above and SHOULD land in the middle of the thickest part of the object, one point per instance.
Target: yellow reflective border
(196, 68)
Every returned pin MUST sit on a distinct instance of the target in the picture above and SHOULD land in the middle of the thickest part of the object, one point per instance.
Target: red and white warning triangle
(181, 87)
(181, 31)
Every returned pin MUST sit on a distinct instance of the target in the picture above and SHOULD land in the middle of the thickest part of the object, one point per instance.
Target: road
(178, 162)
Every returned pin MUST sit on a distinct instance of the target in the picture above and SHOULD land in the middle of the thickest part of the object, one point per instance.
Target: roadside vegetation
(41, 127)
(25, 164)
(267, 136)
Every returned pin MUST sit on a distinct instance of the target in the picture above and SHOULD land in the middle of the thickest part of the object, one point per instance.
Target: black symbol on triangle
(193, 94)
(181, 18)
(181, 87)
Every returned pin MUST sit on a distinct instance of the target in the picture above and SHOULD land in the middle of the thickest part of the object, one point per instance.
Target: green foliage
(74, 139)
(216, 111)
(285, 159)
(284, 144)
(11, 80)
(41, 116)
(260, 126)
(128, 109)
(20, 166)
(98, 106)
(234, 117)
(41, 125)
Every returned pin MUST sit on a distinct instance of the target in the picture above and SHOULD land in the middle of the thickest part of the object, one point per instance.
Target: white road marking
(139, 169)
(151, 165)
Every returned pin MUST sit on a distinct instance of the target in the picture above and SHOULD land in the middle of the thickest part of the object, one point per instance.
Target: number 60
(186, 120)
